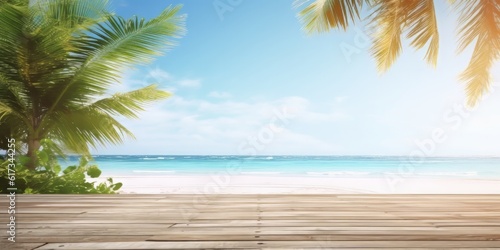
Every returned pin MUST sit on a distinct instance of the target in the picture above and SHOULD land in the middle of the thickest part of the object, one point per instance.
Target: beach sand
(268, 184)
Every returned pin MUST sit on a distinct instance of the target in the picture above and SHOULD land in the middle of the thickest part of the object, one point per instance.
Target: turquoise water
(335, 166)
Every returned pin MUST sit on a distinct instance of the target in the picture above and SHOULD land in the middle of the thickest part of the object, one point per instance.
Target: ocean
(334, 166)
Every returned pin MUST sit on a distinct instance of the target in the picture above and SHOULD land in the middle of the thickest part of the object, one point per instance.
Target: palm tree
(479, 22)
(58, 59)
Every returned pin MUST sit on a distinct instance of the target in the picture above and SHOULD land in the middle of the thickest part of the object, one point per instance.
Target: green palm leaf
(128, 104)
(115, 46)
(58, 57)
(12, 19)
(69, 15)
(87, 125)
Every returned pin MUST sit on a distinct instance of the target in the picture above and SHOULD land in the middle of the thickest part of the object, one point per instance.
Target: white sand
(267, 184)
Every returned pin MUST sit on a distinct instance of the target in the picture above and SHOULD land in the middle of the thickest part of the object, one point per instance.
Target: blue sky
(235, 73)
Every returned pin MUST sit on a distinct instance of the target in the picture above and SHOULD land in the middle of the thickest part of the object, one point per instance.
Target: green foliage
(49, 179)
(58, 59)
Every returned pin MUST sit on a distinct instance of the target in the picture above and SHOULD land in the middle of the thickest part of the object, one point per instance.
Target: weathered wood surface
(254, 222)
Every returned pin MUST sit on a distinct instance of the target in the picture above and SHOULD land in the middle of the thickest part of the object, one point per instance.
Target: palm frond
(4, 110)
(423, 29)
(117, 45)
(58, 56)
(480, 23)
(69, 15)
(127, 42)
(12, 23)
(388, 23)
(130, 103)
(323, 15)
(15, 2)
(28, 55)
(393, 17)
(13, 102)
(12, 20)
(79, 130)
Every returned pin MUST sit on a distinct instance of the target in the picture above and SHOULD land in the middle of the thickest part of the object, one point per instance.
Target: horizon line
(318, 155)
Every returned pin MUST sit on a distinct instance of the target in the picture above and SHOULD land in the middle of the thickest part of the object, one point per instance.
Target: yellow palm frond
(422, 25)
(323, 15)
(480, 23)
(389, 19)
(388, 22)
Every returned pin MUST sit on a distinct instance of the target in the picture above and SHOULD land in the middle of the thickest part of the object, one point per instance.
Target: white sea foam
(462, 174)
(470, 173)
(350, 173)
(156, 158)
(259, 173)
(218, 157)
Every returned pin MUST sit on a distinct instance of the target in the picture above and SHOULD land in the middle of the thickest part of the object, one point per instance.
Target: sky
(246, 79)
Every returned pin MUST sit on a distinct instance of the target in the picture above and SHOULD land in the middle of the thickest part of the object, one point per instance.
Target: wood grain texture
(255, 221)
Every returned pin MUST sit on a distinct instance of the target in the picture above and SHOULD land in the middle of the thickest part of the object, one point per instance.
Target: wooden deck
(254, 222)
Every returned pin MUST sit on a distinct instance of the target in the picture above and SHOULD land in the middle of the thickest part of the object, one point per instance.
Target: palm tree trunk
(33, 146)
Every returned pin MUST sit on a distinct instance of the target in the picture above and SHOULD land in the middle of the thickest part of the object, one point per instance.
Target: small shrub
(49, 178)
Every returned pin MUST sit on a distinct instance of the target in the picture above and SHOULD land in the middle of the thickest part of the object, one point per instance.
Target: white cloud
(159, 75)
(340, 99)
(220, 94)
(133, 79)
(194, 126)
(123, 4)
(290, 142)
(189, 83)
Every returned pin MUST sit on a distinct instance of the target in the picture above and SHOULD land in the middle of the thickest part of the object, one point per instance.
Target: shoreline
(271, 184)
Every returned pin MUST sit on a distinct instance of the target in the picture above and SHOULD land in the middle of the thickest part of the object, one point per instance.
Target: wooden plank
(282, 244)
(81, 238)
(21, 246)
(258, 221)
(325, 237)
(45, 226)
